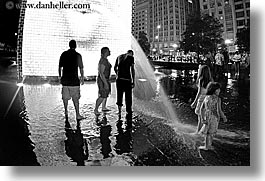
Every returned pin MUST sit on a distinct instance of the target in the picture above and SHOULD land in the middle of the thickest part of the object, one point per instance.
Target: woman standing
(204, 77)
(104, 88)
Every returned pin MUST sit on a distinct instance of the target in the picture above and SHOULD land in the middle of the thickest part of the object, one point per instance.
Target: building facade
(164, 21)
(232, 14)
(140, 17)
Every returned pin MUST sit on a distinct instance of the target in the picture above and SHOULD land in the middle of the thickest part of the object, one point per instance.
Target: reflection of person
(104, 87)
(123, 139)
(211, 112)
(204, 77)
(124, 68)
(69, 63)
(75, 146)
(105, 131)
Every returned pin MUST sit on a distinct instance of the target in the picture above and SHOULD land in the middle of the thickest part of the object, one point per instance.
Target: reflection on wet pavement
(37, 133)
(92, 141)
(59, 141)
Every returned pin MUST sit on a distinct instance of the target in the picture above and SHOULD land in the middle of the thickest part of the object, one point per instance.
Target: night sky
(8, 23)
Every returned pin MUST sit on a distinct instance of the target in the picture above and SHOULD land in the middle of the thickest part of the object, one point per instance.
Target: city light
(174, 45)
(20, 84)
(228, 41)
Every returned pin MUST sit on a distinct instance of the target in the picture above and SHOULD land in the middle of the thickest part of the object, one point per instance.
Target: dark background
(9, 23)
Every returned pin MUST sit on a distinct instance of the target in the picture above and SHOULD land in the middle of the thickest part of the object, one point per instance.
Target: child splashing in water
(211, 112)
(204, 77)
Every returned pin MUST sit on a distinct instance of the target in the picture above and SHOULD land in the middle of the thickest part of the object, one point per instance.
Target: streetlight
(228, 42)
(175, 46)
(153, 50)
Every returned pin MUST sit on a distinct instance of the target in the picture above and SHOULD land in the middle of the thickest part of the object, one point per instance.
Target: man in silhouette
(69, 63)
(124, 69)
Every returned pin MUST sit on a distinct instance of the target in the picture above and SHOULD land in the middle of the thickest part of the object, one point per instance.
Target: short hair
(130, 51)
(72, 44)
(212, 87)
(104, 49)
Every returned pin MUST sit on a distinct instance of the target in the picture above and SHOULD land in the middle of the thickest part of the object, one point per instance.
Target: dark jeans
(124, 86)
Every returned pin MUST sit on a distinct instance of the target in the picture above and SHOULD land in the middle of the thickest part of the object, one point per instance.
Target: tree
(243, 39)
(202, 35)
(143, 42)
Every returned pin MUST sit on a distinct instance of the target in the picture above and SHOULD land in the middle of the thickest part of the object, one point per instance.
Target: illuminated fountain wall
(44, 34)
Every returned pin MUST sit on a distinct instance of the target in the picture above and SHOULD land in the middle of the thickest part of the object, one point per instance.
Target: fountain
(44, 110)
(44, 34)
(104, 23)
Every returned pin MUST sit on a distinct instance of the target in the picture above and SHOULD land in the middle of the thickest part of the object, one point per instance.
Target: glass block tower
(44, 33)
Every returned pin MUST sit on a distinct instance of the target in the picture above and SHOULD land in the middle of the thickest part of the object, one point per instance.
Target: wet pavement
(35, 131)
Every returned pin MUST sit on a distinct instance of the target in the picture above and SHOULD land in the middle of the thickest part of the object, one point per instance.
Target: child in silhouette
(204, 77)
(211, 112)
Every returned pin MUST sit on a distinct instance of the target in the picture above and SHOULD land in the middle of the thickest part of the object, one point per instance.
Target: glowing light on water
(15, 95)
(20, 84)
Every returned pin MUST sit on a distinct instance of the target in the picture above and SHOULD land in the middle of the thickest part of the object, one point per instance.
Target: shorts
(211, 128)
(103, 93)
(69, 92)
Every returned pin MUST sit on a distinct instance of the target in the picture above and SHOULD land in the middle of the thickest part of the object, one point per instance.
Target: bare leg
(104, 103)
(205, 147)
(76, 104)
(199, 126)
(98, 102)
(119, 109)
(210, 141)
(65, 103)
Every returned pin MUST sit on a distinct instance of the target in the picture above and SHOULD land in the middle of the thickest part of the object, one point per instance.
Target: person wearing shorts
(69, 63)
(104, 70)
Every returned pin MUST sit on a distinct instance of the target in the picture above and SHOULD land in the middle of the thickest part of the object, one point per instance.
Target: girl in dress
(211, 112)
(204, 77)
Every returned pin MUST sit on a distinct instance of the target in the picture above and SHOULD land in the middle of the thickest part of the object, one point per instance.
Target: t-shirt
(123, 65)
(219, 58)
(70, 60)
(237, 58)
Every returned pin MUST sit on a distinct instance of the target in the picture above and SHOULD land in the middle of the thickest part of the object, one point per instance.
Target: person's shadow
(105, 131)
(75, 145)
(124, 142)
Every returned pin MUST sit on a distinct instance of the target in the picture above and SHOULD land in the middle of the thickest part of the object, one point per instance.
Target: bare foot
(105, 109)
(203, 148)
(96, 112)
(79, 117)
